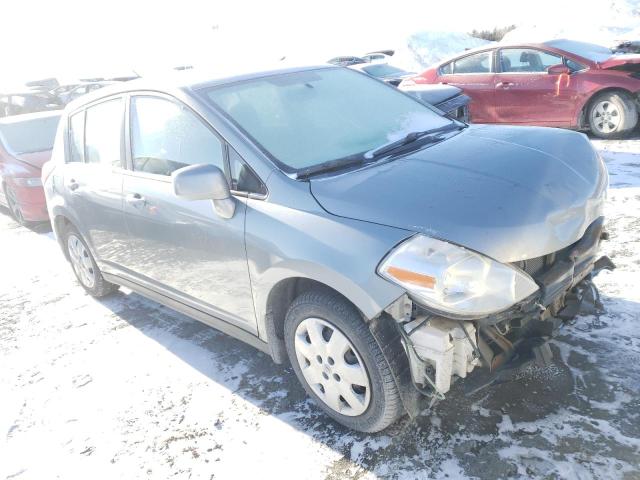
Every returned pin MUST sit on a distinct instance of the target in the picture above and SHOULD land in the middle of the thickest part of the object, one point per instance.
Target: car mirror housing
(559, 69)
(204, 182)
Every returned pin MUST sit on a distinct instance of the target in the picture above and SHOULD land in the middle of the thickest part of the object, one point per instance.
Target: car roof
(572, 47)
(23, 117)
(192, 79)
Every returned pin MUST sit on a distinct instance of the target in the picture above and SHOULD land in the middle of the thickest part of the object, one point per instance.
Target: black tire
(100, 287)
(385, 405)
(625, 117)
(14, 208)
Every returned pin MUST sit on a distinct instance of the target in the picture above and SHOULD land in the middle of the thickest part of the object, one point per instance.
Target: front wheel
(339, 363)
(84, 266)
(613, 115)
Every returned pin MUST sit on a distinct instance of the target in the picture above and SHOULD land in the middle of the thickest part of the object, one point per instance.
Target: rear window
(28, 136)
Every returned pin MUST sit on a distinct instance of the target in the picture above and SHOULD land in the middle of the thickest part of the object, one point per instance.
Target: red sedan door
(475, 75)
(526, 93)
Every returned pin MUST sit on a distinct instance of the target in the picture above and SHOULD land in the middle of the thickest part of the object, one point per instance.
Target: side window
(477, 63)
(523, 60)
(103, 133)
(242, 177)
(166, 136)
(76, 137)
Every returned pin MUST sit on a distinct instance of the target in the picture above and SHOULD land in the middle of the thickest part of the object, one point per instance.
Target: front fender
(341, 253)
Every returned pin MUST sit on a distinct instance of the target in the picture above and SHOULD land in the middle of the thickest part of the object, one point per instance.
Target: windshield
(28, 136)
(383, 70)
(310, 117)
(590, 51)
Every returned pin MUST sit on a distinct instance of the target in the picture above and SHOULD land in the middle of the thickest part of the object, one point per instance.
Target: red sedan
(25, 145)
(560, 83)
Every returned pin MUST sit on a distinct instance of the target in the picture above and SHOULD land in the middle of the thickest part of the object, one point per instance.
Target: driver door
(526, 93)
(179, 247)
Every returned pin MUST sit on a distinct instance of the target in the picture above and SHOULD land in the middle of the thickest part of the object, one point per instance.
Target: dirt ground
(126, 388)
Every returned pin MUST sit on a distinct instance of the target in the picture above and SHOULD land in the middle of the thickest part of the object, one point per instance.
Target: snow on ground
(602, 22)
(126, 388)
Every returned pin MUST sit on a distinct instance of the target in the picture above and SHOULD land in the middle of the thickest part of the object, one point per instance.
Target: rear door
(474, 74)
(526, 93)
(180, 247)
(93, 176)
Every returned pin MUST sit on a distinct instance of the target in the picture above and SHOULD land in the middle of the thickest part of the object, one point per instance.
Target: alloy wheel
(81, 261)
(606, 117)
(332, 367)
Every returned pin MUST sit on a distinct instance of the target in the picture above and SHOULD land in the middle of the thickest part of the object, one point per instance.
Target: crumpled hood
(35, 159)
(617, 61)
(511, 193)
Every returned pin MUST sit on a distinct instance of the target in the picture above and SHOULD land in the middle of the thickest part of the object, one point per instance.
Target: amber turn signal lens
(408, 276)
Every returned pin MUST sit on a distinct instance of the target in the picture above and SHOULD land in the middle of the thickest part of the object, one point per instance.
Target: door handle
(73, 185)
(135, 199)
(504, 84)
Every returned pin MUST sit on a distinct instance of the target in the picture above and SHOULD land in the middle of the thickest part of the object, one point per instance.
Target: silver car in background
(333, 222)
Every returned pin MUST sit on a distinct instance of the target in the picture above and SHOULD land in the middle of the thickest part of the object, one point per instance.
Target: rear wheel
(84, 266)
(613, 115)
(339, 363)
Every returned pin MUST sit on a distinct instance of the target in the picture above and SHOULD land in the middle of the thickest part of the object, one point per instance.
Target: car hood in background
(35, 159)
(432, 94)
(511, 193)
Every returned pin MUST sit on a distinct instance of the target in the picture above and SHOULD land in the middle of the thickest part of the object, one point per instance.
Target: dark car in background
(560, 83)
(25, 145)
(451, 100)
(29, 100)
(67, 93)
(385, 72)
(346, 61)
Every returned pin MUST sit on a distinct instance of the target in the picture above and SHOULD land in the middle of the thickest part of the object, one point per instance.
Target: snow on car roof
(590, 51)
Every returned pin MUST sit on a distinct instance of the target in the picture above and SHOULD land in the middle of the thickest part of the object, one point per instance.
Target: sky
(72, 38)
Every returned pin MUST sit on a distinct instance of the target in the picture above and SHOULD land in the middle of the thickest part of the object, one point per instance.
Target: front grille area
(533, 266)
(579, 253)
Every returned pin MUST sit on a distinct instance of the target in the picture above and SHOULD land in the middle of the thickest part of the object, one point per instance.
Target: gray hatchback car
(333, 222)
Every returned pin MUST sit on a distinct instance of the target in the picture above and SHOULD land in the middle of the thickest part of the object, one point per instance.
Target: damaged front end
(441, 349)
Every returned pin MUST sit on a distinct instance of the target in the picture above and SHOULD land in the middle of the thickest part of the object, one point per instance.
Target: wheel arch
(60, 223)
(278, 301)
(582, 121)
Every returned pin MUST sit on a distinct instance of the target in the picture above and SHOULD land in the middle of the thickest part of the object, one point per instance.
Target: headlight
(454, 280)
(28, 182)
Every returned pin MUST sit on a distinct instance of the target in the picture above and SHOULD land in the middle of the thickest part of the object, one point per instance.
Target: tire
(612, 115)
(321, 325)
(14, 208)
(84, 265)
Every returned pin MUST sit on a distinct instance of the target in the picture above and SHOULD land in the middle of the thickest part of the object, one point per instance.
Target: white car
(376, 57)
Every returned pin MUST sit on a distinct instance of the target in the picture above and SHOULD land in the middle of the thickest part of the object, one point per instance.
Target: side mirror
(204, 182)
(559, 69)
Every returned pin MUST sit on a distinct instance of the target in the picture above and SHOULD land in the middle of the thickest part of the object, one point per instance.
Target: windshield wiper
(360, 159)
(411, 137)
(330, 166)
